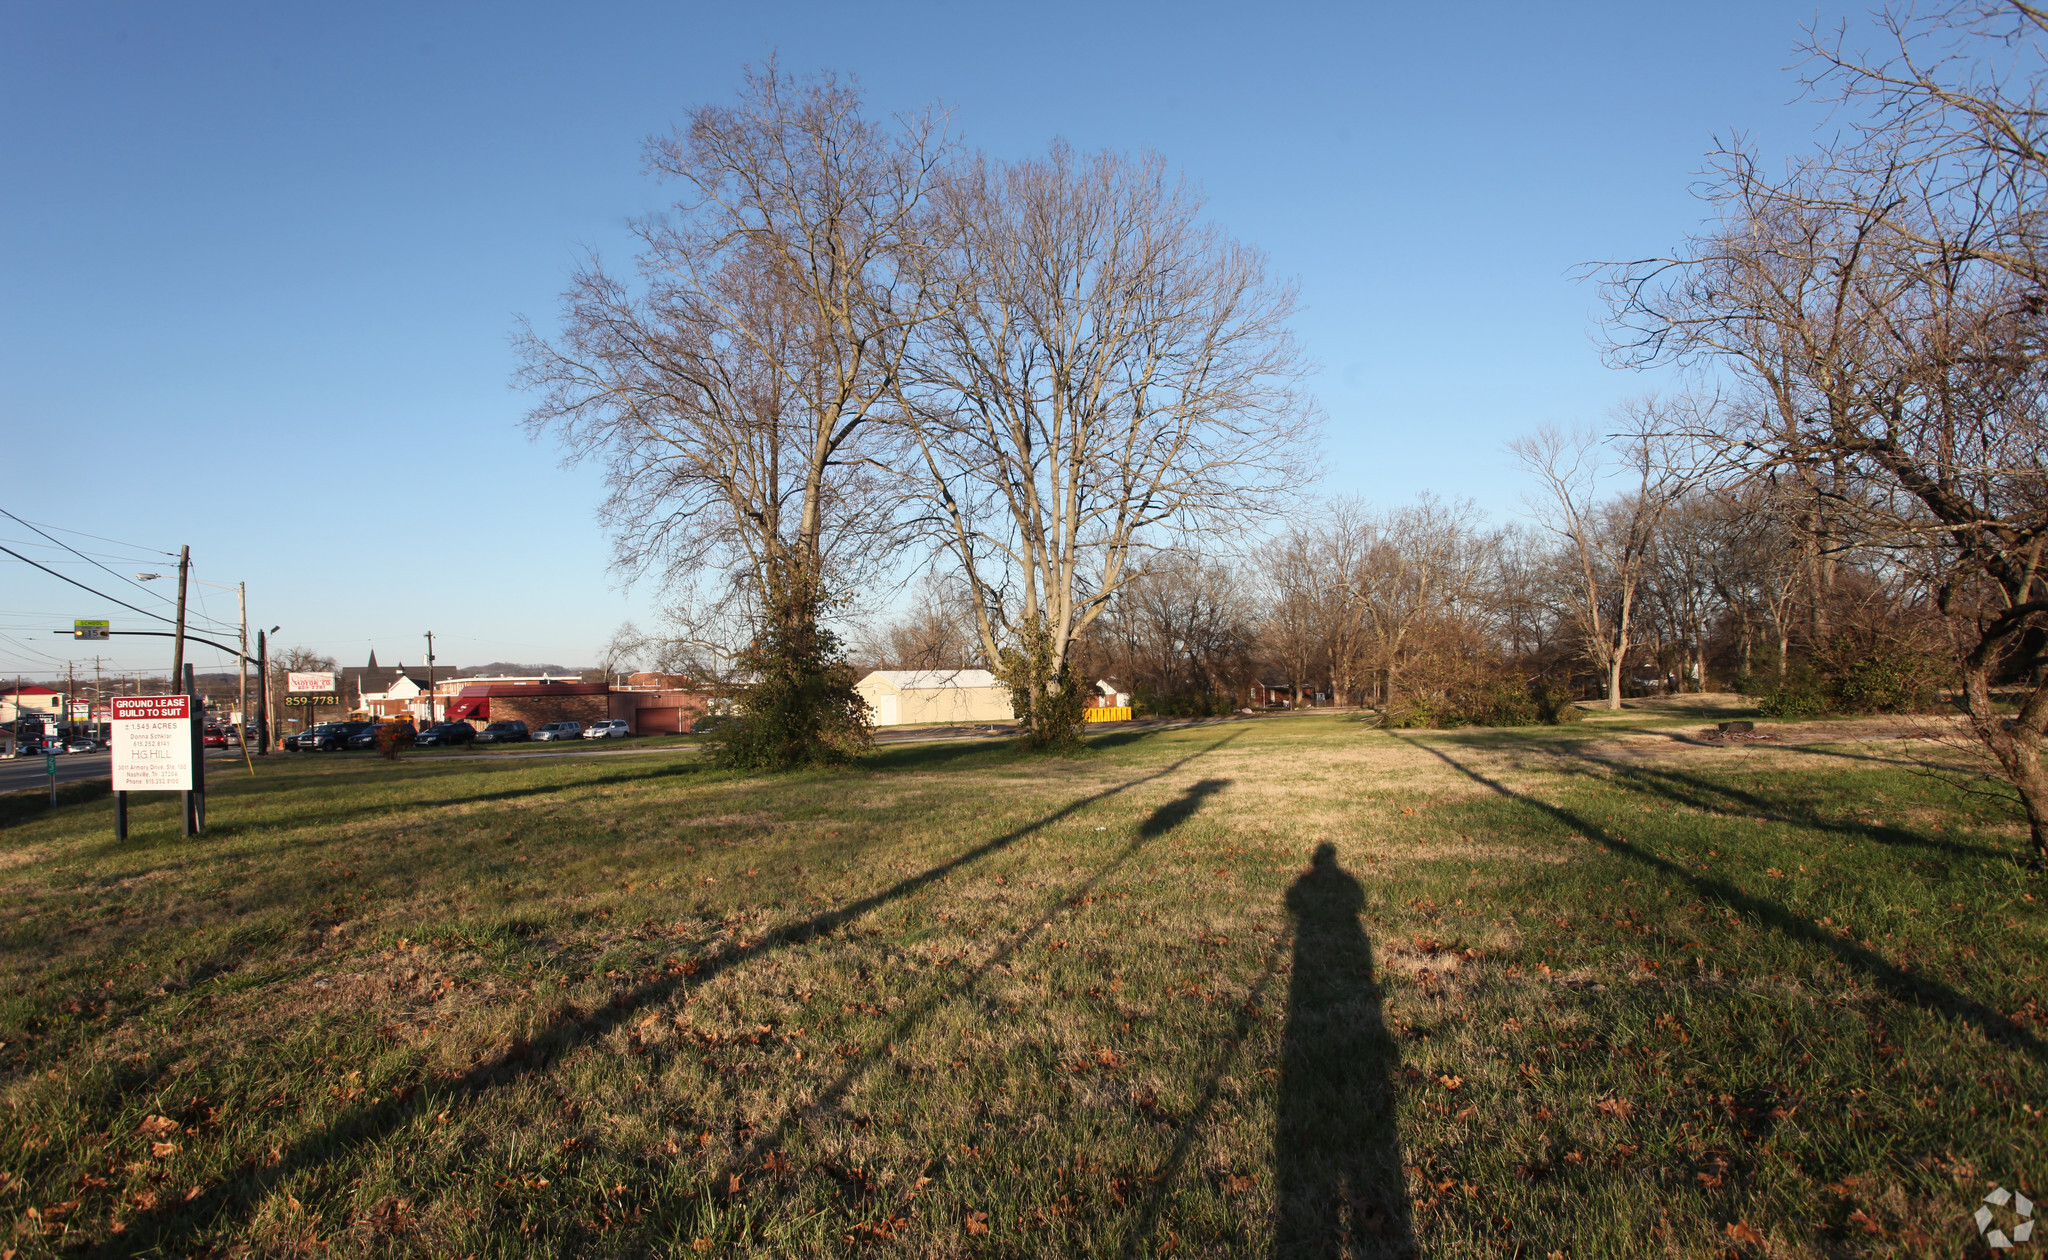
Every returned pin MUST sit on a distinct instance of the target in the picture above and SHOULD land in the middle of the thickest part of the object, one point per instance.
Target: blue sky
(263, 261)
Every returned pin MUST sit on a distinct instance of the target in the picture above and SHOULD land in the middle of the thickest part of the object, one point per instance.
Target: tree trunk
(1614, 682)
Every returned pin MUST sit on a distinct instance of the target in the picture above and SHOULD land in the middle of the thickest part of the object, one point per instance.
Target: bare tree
(1424, 564)
(937, 632)
(1108, 374)
(1915, 350)
(1608, 540)
(734, 392)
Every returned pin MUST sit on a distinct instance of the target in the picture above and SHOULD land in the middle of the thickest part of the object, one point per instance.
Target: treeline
(1432, 617)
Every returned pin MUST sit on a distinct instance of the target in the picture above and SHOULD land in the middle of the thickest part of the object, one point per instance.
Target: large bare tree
(732, 385)
(1900, 273)
(1608, 539)
(1107, 374)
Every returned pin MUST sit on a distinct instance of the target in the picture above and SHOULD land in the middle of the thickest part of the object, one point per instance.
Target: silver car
(610, 728)
(559, 730)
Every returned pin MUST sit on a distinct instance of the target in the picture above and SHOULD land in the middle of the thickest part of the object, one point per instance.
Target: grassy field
(1281, 987)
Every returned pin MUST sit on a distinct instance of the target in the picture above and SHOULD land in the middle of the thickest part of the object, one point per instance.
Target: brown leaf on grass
(163, 1150)
(1451, 1082)
(1861, 1220)
(732, 1183)
(1620, 1108)
(1740, 1231)
(157, 1126)
(977, 1223)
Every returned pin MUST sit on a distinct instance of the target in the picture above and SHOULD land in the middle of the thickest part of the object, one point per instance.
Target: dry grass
(1533, 997)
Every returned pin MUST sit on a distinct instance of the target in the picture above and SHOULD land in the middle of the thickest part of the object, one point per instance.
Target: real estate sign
(152, 743)
(298, 684)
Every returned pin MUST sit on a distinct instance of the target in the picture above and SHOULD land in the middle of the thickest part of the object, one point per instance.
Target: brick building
(534, 703)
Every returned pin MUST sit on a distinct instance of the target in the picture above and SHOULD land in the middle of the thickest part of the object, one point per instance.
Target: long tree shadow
(171, 1226)
(1336, 1141)
(1705, 794)
(758, 1149)
(1180, 809)
(1911, 988)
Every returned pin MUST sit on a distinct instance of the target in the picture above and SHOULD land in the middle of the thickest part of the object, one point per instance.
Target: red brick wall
(538, 710)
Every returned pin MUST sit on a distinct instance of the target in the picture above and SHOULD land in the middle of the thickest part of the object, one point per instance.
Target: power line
(80, 554)
(83, 587)
(96, 538)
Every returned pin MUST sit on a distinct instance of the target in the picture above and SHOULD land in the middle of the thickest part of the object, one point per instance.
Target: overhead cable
(80, 554)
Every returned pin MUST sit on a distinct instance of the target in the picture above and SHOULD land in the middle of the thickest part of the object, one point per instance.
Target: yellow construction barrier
(1108, 715)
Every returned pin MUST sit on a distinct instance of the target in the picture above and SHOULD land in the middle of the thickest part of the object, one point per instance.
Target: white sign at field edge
(308, 683)
(152, 743)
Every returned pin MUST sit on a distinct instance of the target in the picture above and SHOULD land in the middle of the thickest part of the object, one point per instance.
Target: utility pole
(430, 678)
(242, 679)
(70, 691)
(178, 651)
(262, 694)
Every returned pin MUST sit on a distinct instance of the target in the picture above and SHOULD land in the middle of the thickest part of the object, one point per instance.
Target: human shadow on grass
(1336, 1140)
(174, 1224)
(1910, 988)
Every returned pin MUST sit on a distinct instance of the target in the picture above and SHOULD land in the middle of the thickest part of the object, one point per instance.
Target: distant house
(1109, 694)
(31, 701)
(925, 697)
(1279, 695)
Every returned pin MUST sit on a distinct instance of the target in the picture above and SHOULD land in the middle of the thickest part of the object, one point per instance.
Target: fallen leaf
(1740, 1231)
(163, 1150)
(977, 1223)
(157, 1125)
(1621, 1108)
(1862, 1221)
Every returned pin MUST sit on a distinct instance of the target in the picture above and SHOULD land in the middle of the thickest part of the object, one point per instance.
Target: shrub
(1851, 674)
(802, 708)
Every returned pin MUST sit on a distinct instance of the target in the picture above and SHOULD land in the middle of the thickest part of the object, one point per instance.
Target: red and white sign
(152, 743)
(298, 683)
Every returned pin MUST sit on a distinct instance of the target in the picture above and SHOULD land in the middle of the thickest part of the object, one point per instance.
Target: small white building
(927, 697)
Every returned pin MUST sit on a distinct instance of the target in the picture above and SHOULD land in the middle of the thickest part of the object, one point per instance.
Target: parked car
(710, 722)
(611, 728)
(559, 730)
(330, 736)
(502, 733)
(365, 738)
(446, 735)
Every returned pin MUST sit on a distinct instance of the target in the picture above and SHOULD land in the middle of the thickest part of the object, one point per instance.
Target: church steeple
(372, 666)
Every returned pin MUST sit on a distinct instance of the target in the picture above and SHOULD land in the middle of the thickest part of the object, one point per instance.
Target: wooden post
(195, 800)
(120, 815)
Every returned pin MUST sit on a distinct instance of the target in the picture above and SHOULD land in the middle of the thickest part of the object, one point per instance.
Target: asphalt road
(17, 773)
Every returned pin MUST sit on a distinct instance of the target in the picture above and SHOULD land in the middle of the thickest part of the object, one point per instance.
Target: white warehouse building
(929, 697)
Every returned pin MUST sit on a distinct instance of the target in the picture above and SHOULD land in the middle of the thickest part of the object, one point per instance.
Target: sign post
(50, 768)
(152, 750)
